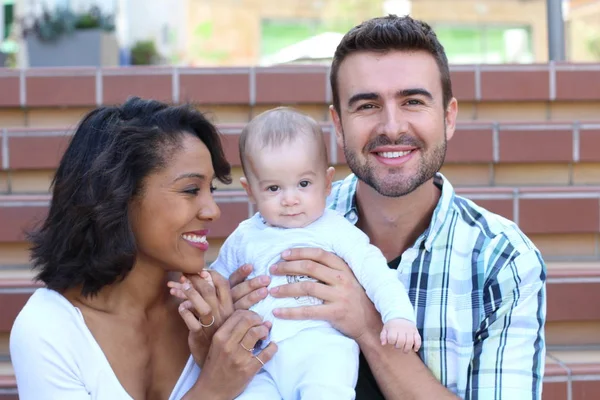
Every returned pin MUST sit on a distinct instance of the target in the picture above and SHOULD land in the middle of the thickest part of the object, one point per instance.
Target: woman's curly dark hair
(86, 239)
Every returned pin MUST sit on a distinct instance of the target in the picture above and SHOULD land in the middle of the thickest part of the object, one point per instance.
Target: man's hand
(345, 304)
(246, 293)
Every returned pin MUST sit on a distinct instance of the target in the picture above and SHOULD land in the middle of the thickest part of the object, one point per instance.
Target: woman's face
(169, 219)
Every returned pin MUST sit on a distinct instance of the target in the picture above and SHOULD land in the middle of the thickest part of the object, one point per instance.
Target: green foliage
(594, 46)
(143, 53)
(52, 25)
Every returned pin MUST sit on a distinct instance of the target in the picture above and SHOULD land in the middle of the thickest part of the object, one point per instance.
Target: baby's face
(289, 184)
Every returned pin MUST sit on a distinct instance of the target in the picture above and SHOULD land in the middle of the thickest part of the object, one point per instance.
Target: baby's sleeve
(229, 255)
(386, 291)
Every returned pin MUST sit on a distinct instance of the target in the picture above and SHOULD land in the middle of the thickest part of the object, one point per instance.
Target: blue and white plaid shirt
(478, 287)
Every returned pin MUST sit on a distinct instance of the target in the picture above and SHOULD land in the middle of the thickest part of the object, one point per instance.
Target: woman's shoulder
(46, 316)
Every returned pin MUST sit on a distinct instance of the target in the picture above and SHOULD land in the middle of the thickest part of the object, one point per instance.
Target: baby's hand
(401, 333)
(177, 288)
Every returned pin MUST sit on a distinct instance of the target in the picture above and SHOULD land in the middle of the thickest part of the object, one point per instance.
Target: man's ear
(329, 179)
(247, 188)
(337, 123)
(451, 115)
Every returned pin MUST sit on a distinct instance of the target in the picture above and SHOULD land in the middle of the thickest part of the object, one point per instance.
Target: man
(476, 281)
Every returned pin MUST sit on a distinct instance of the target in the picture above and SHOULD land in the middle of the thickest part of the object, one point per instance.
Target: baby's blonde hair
(279, 126)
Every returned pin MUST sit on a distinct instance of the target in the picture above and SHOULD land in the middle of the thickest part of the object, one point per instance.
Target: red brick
(582, 305)
(231, 148)
(232, 213)
(586, 389)
(547, 145)
(36, 152)
(471, 146)
(503, 207)
(52, 91)
(559, 215)
(577, 85)
(16, 220)
(555, 391)
(291, 85)
(9, 87)
(117, 88)
(12, 303)
(589, 145)
(214, 87)
(463, 85)
(526, 85)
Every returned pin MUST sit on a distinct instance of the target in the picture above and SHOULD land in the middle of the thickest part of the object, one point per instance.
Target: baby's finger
(408, 342)
(417, 345)
(178, 293)
(383, 336)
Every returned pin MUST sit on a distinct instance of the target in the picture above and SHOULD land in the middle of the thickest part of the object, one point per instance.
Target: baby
(284, 159)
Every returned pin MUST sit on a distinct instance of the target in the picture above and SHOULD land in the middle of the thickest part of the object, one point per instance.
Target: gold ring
(245, 348)
(209, 325)
(259, 360)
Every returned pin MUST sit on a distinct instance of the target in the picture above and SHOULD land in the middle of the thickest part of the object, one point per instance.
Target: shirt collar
(343, 200)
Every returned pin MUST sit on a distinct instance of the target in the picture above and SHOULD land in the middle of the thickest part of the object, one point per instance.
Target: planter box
(83, 48)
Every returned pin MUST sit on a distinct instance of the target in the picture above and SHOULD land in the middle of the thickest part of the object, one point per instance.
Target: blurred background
(267, 32)
(526, 74)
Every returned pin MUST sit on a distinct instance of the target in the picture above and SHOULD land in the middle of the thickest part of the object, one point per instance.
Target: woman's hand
(221, 340)
(231, 362)
(207, 305)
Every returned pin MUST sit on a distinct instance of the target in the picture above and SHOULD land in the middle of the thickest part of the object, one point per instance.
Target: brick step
(538, 211)
(573, 293)
(298, 84)
(8, 384)
(572, 374)
(475, 142)
(569, 375)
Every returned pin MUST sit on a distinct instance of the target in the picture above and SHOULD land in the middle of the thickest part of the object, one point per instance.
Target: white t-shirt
(55, 356)
(261, 245)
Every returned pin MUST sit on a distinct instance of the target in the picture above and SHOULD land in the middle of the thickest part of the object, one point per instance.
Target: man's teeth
(393, 154)
(195, 238)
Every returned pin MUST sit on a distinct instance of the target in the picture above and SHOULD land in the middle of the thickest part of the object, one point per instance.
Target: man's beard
(395, 184)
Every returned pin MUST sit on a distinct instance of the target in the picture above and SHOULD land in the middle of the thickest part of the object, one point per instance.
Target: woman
(132, 198)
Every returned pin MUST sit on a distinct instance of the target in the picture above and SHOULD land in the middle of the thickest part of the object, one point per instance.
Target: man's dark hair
(86, 239)
(384, 34)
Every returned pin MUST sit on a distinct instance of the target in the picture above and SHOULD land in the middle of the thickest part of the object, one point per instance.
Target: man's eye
(365, 107)
(273, 188)
(212, 188)
(192, 191)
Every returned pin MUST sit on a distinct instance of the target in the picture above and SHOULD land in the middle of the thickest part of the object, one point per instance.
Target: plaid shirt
(478, 287)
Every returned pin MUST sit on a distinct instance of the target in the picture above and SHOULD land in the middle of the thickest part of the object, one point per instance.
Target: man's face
(392, 123)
